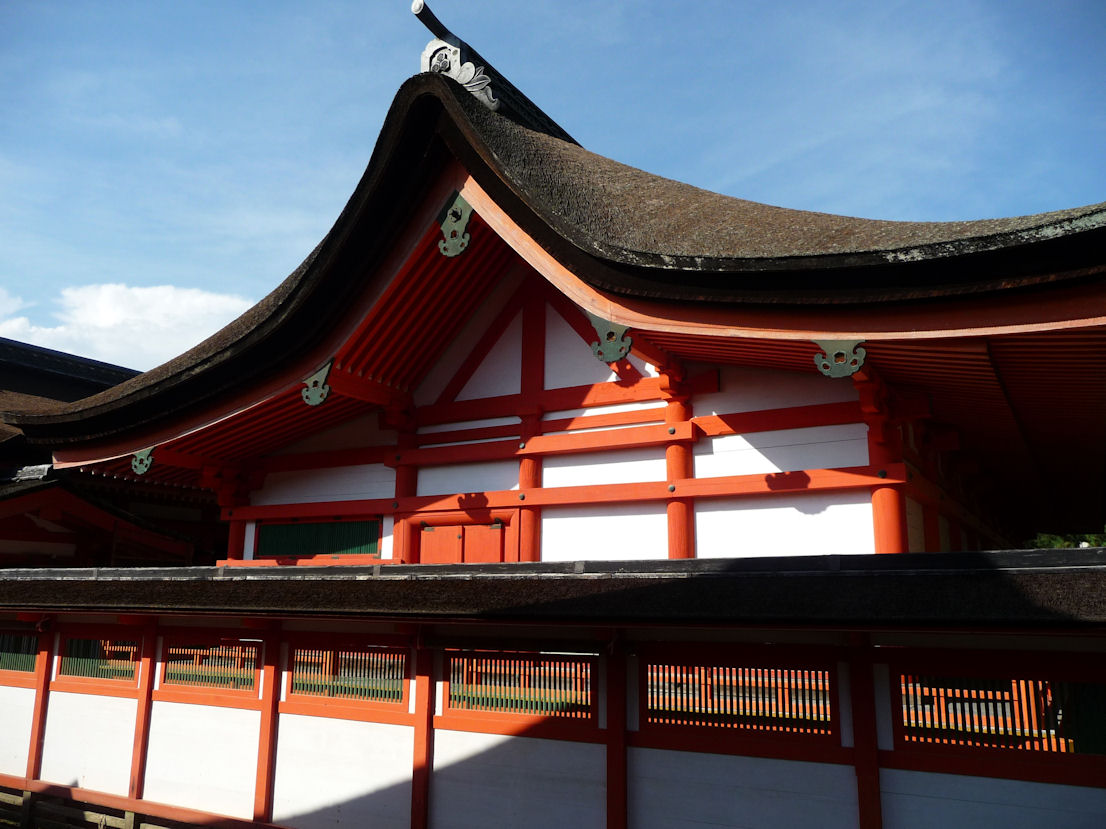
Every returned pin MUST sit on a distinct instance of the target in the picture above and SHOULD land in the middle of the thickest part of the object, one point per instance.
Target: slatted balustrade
(1035, 715)
(227, 665)
(545, 685)
(789, 700)
(18, 652)
(99, 658)
(372, 674)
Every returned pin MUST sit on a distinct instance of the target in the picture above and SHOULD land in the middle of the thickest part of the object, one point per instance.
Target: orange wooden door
(440, 545)
(483, 543)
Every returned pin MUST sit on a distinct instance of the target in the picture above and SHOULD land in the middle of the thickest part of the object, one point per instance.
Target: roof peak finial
(448, 55)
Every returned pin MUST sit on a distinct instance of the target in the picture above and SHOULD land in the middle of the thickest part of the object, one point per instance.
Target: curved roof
(622, 231)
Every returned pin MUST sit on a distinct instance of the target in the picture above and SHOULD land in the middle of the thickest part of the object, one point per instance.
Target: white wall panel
(569, 361)
(17, 706)
(786, 450)
(501, 371)
(491, 476)
(610, 532)
(339, 483)
(670, 789)
(743, 389)
(333, 773)
(624, 466)
(920, 800)
(387, 532)
(829, 523)
(491, 780)
(455, 353)
(89, 740)
(203, 757)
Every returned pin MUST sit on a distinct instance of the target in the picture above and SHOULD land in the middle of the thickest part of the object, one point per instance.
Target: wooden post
(236, 541)
(679, 465)
(423, 760)
(617, 788)
(529, 477)
(44, 670)
(404, 545)
(147, 665)
(267, 739)
(865, 739)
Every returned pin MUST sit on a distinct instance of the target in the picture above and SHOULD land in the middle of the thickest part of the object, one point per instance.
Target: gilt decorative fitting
(839, 358)
(315, 388)
(453, 219)
(613, 343)
(142, 461)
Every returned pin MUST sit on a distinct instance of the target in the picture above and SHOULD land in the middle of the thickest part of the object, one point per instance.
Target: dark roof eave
(1040, 588)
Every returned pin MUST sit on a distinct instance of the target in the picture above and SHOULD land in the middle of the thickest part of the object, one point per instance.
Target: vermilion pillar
(679, 466)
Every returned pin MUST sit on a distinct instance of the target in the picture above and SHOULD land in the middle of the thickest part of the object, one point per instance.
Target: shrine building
(549, 492)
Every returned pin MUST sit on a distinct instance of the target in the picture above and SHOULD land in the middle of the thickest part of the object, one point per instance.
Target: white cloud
(137, 327)
(9, 304)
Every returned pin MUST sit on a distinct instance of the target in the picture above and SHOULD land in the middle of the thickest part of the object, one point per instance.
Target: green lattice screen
(99, 658)
(336, 538)
(17, 651)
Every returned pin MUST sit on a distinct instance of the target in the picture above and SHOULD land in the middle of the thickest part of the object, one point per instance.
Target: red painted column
(531, 383)
(266, 743)
(44, 670)
(146, 666)
(888, 506)
(424, 738)
(617, 787)
(679, 465)
(236, 542)
(404, 544)
(865, 740)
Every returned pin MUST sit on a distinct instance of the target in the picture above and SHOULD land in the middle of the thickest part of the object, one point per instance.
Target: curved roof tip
(448, 55)
(430, 20)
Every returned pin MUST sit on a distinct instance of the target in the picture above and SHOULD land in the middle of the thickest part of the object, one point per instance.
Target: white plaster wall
(786, 450)
(669, 789)
(501, 370)
(921, 800)
(622, 466)
(743, 389)
(569, 361)
(17, 706)
(203, 757)
(610, 532)
(491, 780)
(89, 741)
(490, 476)
(387, 532)
(915, 526)
(340, 483)
(824, 523)
(457, 351)
(334, 773)
(249, 540)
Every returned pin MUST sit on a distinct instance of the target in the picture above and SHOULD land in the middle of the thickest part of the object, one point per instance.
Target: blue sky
(163, 165)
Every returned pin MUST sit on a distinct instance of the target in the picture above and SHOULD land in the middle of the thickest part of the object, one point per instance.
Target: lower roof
(1004, 589)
